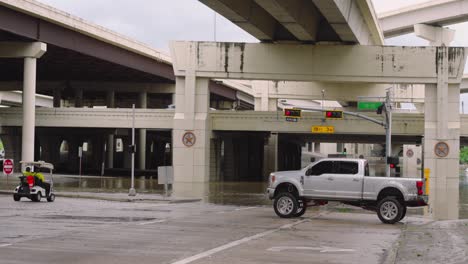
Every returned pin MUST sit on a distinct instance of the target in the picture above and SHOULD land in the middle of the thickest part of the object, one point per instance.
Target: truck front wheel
(390, 210)
(301, 208)
(285, 205)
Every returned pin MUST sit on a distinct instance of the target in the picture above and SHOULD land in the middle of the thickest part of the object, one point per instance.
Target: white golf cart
(31, 186)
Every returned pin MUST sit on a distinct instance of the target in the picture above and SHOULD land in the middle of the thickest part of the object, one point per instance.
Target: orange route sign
(323, 130)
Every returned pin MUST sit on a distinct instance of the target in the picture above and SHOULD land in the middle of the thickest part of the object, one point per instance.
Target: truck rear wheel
(389, 210)
(404, 213)
(285, 205)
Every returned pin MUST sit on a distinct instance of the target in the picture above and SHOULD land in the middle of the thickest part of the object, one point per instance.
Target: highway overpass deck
(409, 124)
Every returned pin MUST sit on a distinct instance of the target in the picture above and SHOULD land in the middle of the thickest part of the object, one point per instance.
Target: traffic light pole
(132, 191)
(388, 133)
(387, 124)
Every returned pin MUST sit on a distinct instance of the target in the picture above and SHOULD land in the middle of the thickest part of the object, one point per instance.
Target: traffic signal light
(393, 162)
(380, 109)
(293, 113)
(132, 148)
(334, 114)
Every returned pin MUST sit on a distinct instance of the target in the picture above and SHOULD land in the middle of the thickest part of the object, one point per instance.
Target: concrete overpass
(403, 123)
(435, 13)
(303, 21)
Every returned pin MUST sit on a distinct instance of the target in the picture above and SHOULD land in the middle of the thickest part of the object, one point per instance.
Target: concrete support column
(191, 161)
(110, 99)
(270, 157)
(57, 97)
(142, 149)
(29, 109)
(262, 92)
(78, 97)
(110, 151)
(442, 125)
(142, 103)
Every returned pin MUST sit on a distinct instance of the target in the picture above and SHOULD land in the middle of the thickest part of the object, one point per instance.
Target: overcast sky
(156, 22)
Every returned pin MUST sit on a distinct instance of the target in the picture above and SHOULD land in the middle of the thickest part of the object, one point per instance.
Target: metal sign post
(132, 191)
(8, 167)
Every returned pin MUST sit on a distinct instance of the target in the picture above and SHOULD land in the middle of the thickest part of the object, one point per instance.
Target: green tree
(464, 155)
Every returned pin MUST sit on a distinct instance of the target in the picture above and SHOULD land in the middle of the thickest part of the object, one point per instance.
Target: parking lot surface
(95, 231)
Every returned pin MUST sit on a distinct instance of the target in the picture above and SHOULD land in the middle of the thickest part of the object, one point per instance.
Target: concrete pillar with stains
(442, 128)
(263, 90)
(442, 142)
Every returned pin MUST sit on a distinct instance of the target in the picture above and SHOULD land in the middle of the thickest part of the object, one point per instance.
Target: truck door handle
(356, 179)
(330, 178)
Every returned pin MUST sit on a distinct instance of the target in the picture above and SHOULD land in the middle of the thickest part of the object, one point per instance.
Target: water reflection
(69, 183)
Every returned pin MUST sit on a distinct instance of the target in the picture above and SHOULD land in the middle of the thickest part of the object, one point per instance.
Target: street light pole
(132, 191)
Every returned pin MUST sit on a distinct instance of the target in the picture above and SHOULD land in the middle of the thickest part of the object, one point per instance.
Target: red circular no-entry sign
(7, 166)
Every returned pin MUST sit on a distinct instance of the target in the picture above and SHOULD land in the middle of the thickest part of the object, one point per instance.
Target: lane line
(320, 249)
(238, 209)
(246, 208)
(153, 222)
(235, 243)
(5, 245)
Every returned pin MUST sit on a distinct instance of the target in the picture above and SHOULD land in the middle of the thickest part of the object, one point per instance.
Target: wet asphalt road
(94, 231)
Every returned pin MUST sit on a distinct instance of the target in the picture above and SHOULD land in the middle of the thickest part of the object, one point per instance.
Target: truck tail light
(273, 178)
(419, 185)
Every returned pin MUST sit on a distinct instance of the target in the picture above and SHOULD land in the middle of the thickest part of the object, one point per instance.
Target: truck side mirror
(309, 172)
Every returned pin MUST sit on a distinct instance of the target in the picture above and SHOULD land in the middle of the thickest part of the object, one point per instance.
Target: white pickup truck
(346, 181)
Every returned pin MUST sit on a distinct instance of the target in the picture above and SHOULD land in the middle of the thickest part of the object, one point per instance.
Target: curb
(97, 197)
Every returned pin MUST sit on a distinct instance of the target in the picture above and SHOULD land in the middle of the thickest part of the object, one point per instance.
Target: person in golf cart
(38, 179)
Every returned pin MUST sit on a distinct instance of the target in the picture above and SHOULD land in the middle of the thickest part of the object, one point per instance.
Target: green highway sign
(369, 106)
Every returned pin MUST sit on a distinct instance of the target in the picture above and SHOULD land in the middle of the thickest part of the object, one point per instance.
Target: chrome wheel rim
(285, 205)
(389, 210)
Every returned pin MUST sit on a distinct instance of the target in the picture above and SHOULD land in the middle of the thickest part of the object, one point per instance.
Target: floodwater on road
(229, 193)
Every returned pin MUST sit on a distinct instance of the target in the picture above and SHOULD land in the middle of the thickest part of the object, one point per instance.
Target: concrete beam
(353, 21)
(437, 36)
(16, 98)
(436, 13)
(300, 17)
(246, 14)
(22, 49)
(332, 63)
(95, 86)
(92, 118)
(346, 92)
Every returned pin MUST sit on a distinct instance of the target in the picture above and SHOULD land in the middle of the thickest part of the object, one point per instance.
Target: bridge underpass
(245, 156)
(60, 146)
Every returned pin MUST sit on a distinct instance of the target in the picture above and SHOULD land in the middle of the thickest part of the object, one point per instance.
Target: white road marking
(239, 209)
(320, 249)
(246, 208)
(4, 245)
(153, 222)
(235, 243)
